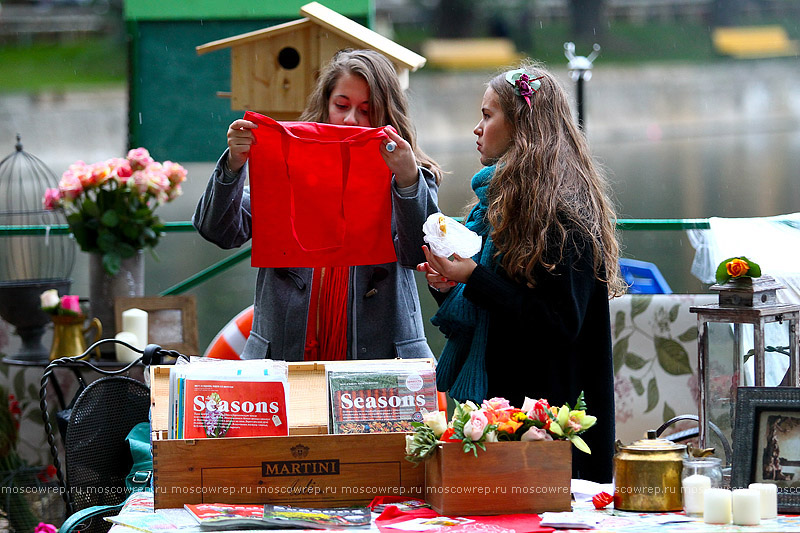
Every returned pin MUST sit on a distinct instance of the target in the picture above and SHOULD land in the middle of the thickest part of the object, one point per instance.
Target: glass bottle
(699, 474)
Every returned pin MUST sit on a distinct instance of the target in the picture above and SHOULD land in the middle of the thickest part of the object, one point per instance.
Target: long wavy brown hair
(547, 189)
(388, 105)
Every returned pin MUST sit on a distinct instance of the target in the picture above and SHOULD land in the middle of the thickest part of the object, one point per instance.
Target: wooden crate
(507, 478)
(308, 467)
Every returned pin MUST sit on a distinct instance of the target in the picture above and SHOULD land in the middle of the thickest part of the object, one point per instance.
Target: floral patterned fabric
(655, 359)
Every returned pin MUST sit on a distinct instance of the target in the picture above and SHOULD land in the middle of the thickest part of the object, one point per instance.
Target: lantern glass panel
(731, 365)
(722, 377)
(776, 362)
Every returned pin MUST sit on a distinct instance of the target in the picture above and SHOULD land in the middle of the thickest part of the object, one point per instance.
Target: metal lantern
(748, 316)
(29, 263)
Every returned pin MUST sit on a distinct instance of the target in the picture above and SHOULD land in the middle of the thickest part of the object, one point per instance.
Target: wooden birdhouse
(273, 70)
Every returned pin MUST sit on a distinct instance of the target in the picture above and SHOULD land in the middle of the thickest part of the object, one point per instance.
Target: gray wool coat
(382, 323)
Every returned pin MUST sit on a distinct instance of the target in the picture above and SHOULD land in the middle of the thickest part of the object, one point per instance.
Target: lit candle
(693, 488)
(135, 321)
(746, 504)
(125, 354)
(769, 499)
(717, 506)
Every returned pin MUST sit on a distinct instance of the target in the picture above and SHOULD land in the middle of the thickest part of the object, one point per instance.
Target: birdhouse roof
(317, 14)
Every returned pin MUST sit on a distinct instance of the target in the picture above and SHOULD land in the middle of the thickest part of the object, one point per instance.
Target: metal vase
(69, 335)
(104, 288)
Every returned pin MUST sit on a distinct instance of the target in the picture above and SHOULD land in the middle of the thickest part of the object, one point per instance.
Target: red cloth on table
(520, 523)
(320, 195)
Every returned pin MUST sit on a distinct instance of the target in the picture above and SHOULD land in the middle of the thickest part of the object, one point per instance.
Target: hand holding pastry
(435, 280)
(447, 236)
(456, 269)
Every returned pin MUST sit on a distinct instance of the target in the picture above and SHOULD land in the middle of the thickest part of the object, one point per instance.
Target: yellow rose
(737, 268)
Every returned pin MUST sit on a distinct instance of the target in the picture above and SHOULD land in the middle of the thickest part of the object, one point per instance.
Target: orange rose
(505, 421)
(509, 426)
(737, 268)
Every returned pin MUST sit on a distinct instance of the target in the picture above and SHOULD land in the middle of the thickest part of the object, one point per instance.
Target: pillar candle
(717, 506)
(125, 354)
(693, 488)
(769, 499)
(135, 321)
(746, 505)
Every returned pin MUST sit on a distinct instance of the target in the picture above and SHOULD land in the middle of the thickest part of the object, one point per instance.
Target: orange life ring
(229, 342)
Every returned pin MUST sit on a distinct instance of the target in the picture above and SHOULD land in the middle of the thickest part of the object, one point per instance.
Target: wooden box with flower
(524, 464)
(308, 467)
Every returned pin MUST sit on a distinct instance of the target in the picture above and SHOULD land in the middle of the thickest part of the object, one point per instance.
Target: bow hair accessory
(524, 86)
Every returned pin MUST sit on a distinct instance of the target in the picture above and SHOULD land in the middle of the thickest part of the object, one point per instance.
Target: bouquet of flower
(496, 420)
(737, 267)
(60, 305)
(109, 205)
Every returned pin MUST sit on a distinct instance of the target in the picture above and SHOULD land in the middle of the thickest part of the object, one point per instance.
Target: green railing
(630, 224)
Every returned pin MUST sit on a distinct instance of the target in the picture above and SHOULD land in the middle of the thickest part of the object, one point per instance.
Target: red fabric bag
(320, 195)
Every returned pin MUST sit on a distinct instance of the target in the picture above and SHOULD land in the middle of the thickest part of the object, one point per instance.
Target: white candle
(693, 488)
(717, 506)
(746, 504)
(125, 354)
(135, 321)
(769, 499)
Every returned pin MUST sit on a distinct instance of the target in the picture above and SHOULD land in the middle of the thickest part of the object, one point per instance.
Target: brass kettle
(647, 475)
(69, 335)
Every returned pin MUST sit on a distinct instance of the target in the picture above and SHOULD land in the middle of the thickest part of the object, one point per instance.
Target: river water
(678, 141)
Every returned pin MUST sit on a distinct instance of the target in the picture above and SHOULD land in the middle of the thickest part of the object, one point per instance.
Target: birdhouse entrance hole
(288, 58)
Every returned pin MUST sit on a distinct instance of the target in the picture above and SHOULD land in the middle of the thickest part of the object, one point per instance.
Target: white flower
(470, 406)
(437, 421)
(49, 299)
(491, 436)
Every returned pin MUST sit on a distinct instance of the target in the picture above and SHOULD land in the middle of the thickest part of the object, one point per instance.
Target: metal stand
(580, 69)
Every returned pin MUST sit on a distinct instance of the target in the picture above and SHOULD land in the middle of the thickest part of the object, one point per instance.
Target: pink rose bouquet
(496, 420)
(109, 205)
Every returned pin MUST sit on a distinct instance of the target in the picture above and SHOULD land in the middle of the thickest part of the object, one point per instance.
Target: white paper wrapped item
(447, 236)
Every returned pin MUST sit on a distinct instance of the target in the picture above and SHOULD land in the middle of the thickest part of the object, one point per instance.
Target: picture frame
(171, 320)
(766, 442)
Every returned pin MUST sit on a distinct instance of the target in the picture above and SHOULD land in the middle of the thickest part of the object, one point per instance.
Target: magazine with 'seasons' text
(228, 517)
(383, 398)
(225, 398)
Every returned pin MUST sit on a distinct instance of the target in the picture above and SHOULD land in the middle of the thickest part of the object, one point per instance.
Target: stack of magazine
(225, 398)
(379, 397)
(224, 517)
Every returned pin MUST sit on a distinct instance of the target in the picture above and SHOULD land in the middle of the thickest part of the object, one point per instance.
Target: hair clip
(524, 86)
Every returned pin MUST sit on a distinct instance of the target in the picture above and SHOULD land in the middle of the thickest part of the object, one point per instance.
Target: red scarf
(326, 329)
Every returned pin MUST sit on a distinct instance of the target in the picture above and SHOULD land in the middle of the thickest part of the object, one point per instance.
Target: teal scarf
(461, 369)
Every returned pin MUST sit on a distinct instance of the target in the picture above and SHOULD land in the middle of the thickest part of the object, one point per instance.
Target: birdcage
(30, 262)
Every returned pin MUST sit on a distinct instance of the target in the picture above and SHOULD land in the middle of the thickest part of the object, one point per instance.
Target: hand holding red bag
(320, 195)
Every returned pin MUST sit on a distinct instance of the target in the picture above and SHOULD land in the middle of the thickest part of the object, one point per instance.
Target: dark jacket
(553, 341)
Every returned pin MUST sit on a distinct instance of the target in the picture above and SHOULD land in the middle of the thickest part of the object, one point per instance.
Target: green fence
(240, 255)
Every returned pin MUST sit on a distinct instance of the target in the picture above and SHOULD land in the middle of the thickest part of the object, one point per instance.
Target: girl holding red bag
(340, 312)
(528, 315)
